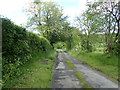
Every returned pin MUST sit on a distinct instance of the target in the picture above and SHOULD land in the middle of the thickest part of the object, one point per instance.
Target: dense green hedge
(18, 47)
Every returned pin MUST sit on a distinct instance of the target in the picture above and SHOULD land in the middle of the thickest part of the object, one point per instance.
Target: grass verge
(36, 74)
(99, 61)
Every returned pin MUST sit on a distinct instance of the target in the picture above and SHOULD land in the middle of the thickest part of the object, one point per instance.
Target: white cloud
(77, 10)
(74, 11)
(8, 6)
(82, 6)
(13, 9)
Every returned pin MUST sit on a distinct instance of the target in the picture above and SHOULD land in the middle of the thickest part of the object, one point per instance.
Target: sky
(14, 9)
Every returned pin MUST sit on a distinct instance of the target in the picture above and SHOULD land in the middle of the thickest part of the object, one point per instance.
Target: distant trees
(101, 17)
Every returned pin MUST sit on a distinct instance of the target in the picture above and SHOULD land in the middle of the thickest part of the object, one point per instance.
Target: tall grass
(37, 73)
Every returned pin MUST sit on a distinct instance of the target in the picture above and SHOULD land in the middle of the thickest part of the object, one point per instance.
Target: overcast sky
(14, 9)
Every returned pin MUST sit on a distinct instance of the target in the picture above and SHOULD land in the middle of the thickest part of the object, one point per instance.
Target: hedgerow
(18, 47)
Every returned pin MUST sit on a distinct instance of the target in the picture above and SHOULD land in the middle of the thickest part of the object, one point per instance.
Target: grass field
(36, 74)
(99, 61)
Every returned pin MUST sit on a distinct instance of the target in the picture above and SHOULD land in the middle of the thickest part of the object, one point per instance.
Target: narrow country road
(64, 75)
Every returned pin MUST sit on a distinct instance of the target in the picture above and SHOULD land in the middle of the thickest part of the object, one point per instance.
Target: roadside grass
(36, 74)
(99, 61)
(70, 64)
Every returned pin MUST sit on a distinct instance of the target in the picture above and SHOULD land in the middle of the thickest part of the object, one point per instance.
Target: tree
(89, 24)
(48, 19)
(44, 15)
(102, 17)
(111, 11)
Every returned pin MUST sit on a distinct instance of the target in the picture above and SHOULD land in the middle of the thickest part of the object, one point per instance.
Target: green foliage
(19, 47)
(14, 41)
(39, 42)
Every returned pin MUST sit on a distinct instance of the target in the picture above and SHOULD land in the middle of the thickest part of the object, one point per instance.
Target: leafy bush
(40, 42)
(19, 47)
